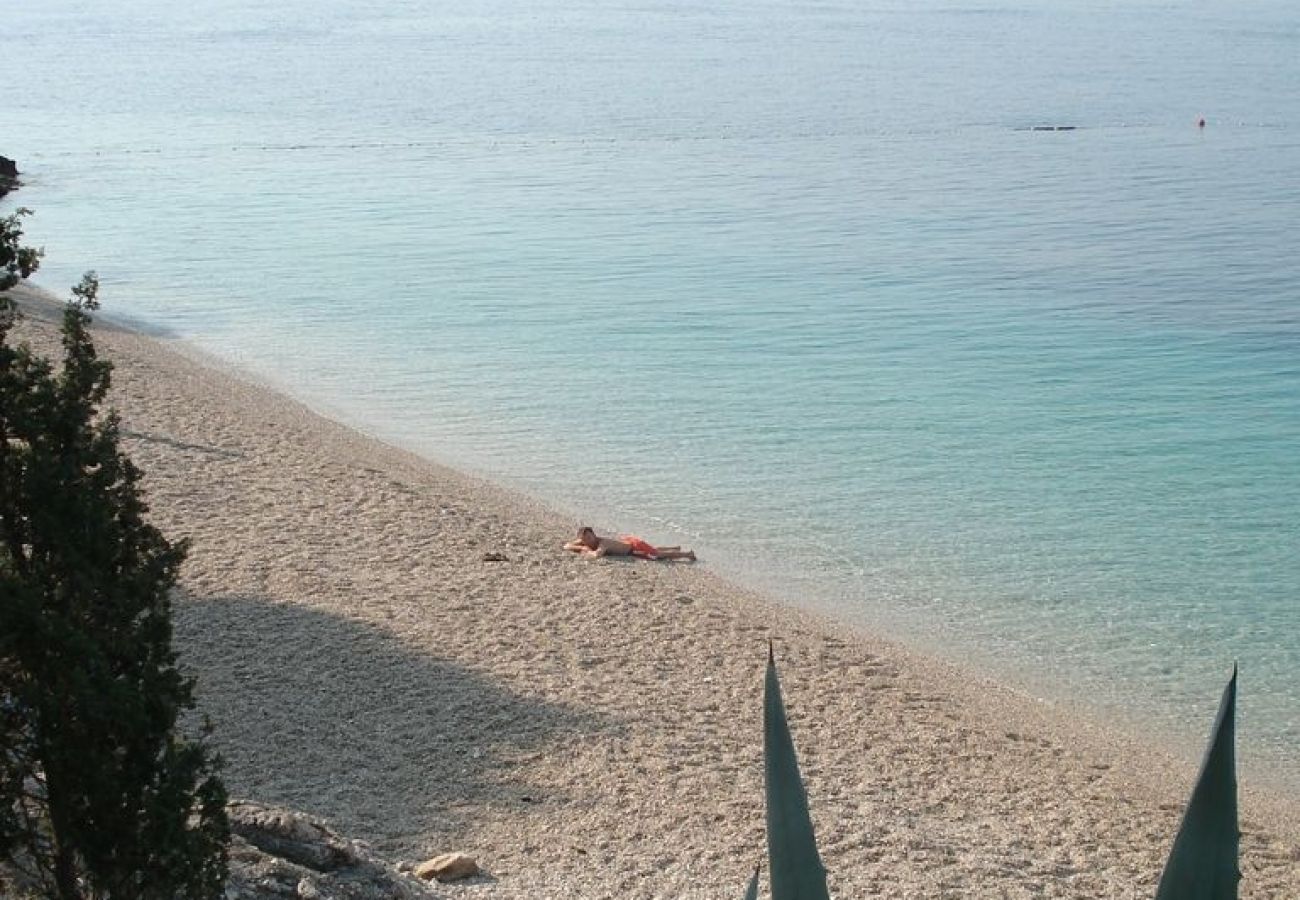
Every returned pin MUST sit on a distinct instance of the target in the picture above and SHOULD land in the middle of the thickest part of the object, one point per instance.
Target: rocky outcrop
(8, 175)
(278, 854)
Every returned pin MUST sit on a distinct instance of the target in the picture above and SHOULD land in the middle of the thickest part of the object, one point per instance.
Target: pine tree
(100, 794)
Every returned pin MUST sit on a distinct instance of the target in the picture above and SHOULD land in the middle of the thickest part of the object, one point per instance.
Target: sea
(972, 323)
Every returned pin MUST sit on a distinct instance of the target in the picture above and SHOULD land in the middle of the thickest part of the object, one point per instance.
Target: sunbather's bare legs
(675, 553)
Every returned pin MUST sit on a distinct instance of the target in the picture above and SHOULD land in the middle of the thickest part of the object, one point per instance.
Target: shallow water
(796, 283)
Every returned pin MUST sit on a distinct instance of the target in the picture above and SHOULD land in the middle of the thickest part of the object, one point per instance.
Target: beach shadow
(342, 720)
(145, 437)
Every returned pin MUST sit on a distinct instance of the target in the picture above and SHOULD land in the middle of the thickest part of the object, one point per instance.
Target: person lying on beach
(588, 543)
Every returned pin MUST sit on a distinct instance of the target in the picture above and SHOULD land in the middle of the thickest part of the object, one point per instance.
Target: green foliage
(100, 796)
(795, 866)
(1203, 862)
(16, 261)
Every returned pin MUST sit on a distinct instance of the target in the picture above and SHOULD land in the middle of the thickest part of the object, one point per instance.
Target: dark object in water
(1053, 127)
(8, 175)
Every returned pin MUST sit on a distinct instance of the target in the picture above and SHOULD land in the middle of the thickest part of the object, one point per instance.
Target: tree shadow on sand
(342, 720)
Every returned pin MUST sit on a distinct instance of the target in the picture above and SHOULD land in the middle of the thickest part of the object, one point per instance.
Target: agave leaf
(794, 866)
(751, 893)
(1203, 862)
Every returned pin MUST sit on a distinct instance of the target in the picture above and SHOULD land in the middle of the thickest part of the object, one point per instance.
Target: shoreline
(1182, 741)
(586, 727)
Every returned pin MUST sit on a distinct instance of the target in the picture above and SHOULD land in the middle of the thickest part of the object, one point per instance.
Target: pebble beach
(406, 652)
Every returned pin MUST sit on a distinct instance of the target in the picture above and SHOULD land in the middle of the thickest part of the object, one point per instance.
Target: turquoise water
(797, 284)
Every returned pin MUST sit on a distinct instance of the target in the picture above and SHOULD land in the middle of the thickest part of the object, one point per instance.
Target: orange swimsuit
(639, 547)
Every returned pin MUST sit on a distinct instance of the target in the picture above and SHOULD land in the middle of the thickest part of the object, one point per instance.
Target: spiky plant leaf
(794, 865)
(1203, 862)
(751, 893)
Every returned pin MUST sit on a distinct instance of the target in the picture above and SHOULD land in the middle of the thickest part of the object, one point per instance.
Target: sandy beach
(406, 652)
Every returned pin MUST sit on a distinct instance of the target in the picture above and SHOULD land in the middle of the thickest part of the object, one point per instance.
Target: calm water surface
(799, 284)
